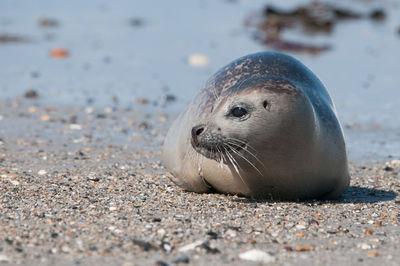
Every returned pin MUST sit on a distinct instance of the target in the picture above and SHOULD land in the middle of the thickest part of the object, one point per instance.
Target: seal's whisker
(249, 152)
(240, 155)
(223, 156)
(242, 143)
(221, 161)
(235, 165)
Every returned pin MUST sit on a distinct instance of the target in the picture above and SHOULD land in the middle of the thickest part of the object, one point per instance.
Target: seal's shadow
(353, 194)
(364, 194)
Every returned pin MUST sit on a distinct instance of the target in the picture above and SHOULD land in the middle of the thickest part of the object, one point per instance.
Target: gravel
(87, 186)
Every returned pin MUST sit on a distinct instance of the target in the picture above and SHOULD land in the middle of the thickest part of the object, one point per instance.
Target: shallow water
(112, 56)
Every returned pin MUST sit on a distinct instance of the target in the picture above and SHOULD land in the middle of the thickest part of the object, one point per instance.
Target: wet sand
(87, 186)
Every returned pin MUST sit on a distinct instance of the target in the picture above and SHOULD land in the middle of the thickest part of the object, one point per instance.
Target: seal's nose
(196, 132)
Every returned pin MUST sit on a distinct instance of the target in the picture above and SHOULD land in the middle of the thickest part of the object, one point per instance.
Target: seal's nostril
(199, 131)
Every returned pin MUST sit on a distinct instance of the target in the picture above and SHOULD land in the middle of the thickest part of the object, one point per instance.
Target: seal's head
(267, 114)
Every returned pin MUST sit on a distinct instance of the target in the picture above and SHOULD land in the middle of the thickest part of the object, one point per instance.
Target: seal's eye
(266, 105)
(238, 111)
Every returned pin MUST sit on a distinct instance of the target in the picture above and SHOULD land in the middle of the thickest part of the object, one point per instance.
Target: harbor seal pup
(263, 126)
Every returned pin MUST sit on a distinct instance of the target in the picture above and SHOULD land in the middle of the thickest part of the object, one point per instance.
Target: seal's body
(264, 126)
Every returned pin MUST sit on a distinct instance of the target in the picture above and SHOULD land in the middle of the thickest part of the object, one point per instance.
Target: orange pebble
(59, 52)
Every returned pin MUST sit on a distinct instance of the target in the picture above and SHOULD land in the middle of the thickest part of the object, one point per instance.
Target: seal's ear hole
(266, 105)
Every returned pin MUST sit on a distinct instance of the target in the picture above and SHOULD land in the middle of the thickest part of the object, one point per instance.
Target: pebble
(193, 245)
(45, 117)
(144, 245)
(15, 182)
(75, 127)
(4, 258)
(257, 256)
(301, 227)
(65, 249)
(308, 247)
(161, 263)
(42, 172)
(142, 101)
(182, 259)
(365, 246)
(373, 254)
(198, 60)
(31, 94)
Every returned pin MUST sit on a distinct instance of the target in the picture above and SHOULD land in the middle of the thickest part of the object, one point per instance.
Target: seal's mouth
(218, 148)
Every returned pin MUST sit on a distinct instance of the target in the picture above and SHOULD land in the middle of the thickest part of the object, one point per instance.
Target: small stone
(301, 227)
(161, 232)
(144, 245)
(32, 109)
(288, 248)
(209, 249)
(4, 258)
(42, 172)
(48, 22)
(156, 219)
(59, 53)
(161, 263)
(373, 254)
(15, 182)
(364, 246)
(257, 256)
(378, 14)
(89, 110)
(65, 249)
(318, 215)
(193, 245)
(75, 127)
(31, 94)
(212, 235)
(303, 248)
(166, 246)
(231, 232)
(369, 231)
(45, 118)
(137, 22)
(198, 60)
(388, 168)
(142, 101)
(182, 259)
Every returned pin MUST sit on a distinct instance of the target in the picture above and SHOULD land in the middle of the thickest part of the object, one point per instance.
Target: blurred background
(156, 55)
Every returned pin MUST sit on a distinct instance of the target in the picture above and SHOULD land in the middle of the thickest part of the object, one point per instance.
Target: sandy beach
(86, 186)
